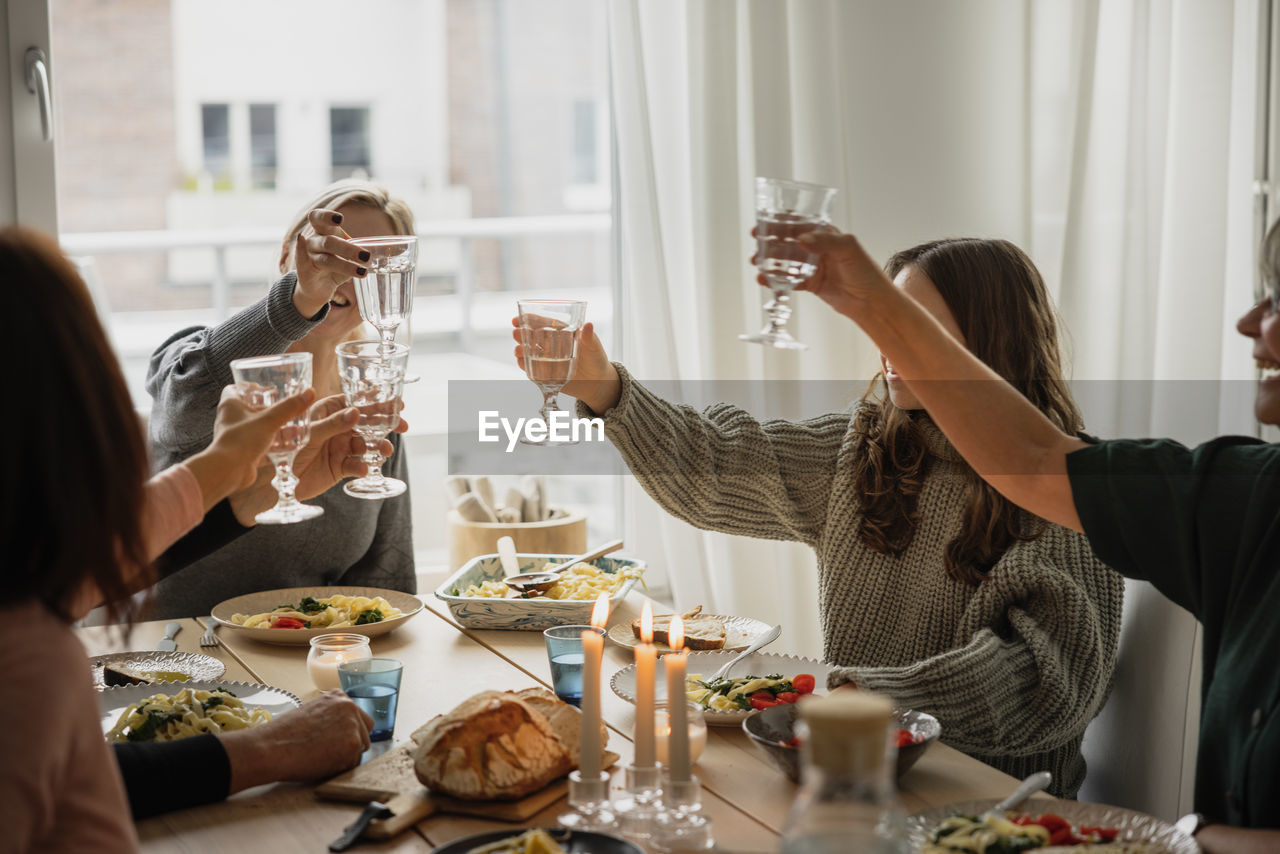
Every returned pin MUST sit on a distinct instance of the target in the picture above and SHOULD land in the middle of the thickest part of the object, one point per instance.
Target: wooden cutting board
(390, 778)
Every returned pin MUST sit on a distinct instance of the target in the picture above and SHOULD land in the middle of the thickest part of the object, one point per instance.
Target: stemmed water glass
(261, 382)
(372, 374)
(385, 294)
(549, 334)
(784, 211)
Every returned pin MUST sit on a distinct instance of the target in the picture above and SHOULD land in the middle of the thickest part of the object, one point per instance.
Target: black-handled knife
(373, 810)
(167, 643)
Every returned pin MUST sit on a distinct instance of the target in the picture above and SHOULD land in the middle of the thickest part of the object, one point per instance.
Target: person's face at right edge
(1262, 324)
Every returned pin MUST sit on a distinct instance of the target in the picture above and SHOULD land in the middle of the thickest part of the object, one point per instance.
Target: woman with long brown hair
(80, 521)
(932, 587)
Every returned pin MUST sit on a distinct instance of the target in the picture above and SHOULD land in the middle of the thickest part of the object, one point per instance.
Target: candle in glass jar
(328, 651)
(590, 745)
(646, 665)
(662, 732)
(676, 664)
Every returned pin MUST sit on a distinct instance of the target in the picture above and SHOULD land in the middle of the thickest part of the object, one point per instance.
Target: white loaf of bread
(701, 631)
(499, 745)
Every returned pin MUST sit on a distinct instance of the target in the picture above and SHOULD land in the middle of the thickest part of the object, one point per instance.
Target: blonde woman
(310, 308)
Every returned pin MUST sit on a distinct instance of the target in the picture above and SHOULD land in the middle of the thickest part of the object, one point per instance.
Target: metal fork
(209, 638)
(764, 640)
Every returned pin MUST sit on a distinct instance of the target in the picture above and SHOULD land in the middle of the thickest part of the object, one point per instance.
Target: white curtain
(1143, 117)
(1112, 140)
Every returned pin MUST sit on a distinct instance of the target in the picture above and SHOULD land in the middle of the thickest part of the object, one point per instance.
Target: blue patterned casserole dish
(476, 612)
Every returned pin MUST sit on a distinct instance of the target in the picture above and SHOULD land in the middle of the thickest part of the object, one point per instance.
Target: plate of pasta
(1048, 825)
(294, 615)
(183, 709)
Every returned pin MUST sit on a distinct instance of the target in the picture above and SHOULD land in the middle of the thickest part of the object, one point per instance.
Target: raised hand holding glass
(549, 334)
(372, 375)
(784, 211)
(385, 295)
(261, 382)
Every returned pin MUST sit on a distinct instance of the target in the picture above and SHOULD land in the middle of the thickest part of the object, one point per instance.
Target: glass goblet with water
(372, 374)
(784, 211)
(261, 382)
(385, 294)
(549, 334)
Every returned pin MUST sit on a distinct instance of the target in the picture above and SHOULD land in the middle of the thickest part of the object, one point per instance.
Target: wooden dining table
(744, 795)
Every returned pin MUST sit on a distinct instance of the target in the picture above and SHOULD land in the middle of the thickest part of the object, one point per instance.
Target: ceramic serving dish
(475, 612)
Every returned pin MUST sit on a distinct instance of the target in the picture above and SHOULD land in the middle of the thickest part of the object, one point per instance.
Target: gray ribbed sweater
(355, 542)
(1014, 668)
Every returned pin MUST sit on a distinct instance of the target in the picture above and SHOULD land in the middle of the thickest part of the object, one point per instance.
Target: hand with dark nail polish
(360, 271)
(364, 255)
(337, 219)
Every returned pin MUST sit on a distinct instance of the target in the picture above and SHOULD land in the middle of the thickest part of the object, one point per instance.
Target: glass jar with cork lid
(847, 801)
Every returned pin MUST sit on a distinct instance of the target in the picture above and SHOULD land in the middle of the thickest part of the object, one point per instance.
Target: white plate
(113, 701)
(267, 600)
(739, 632)
(706, 663)
(193, 664)
(1134, 826)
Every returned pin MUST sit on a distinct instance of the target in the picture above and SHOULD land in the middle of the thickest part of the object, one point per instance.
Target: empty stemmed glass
(784, 211)
(549, 334)
(372, 374)
(385, 295)
(261, 382)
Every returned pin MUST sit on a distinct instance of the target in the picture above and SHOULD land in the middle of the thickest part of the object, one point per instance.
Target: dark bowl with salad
(773, 731)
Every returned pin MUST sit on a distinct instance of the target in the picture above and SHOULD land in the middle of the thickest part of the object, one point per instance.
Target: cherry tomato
(788, 696)
(762, 700)
(803, 683)
(1051, 822)
(906, 738)
(288, 623)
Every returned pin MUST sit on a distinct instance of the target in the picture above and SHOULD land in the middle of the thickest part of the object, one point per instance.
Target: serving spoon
(537, 582)
(1028, 787)
(760, 642)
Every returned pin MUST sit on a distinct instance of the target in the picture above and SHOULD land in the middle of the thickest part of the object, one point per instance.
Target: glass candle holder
(638, 807)
(330, 650)
(679, 825)
(589, 804)
(662, 731)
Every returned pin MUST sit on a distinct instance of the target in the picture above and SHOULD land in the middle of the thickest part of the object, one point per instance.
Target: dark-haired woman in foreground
(932, 588)
(79, 523)
(1201, 524)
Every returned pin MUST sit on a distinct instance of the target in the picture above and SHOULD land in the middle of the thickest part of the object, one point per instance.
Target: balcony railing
(220, 241)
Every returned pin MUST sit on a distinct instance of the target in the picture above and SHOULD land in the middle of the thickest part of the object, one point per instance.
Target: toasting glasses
(549, 334)
(784, 211)
(385, 295)
(262, 382)
(372, 374)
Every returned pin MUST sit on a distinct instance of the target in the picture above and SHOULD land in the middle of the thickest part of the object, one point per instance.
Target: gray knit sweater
(1014, 668)
(355, 542)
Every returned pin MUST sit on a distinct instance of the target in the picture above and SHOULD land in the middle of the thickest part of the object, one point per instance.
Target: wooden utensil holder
(566, 535)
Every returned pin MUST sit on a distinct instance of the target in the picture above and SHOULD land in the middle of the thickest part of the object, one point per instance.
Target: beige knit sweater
(1014, 668)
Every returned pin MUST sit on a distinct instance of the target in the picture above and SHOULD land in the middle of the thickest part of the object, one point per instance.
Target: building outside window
(262, 146)
(349, 141)
(215, 124)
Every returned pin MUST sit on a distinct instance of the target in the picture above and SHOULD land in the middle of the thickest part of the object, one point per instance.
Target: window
(159, 110)
(349, 141)
(262, 145)
(585, 166)
(215, 125)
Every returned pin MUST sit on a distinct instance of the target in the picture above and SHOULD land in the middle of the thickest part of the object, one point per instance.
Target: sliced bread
(701, 631)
